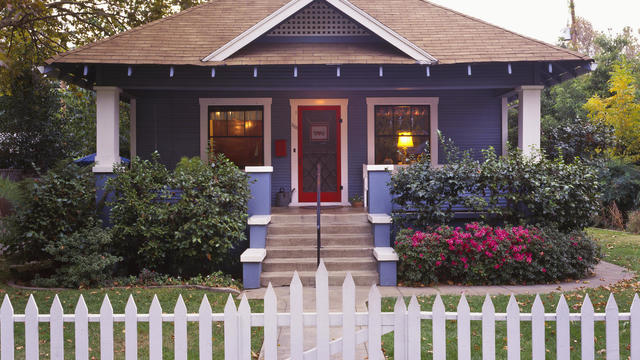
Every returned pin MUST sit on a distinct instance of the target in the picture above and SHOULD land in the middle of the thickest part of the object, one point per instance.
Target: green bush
(82, 259)
(516, 189)
(486, 255)
(55, 206)
(621, 185)
(183, 222)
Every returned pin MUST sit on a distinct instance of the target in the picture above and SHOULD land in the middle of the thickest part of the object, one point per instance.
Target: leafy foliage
(516, 189)
(179, 223)
(486, 255)
(621, 185)
(58, 205)
(82, 259)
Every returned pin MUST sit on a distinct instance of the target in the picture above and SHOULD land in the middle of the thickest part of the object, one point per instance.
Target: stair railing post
(318, 187)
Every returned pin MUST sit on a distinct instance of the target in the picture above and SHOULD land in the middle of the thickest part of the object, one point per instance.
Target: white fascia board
(253, 255)
(352, 11)
(383, 31)
(385, 254)
(257, 30)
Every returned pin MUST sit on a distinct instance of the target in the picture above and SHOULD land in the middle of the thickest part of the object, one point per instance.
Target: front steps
(347, 246)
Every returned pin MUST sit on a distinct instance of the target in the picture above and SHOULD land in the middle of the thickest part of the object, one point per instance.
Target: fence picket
(488, 329)
(205, 329)
(414, 331)
(635, 328)
(537, 330)
(7, 340)
(612, 329)
(439, 330)
(322, 309)
(155, 329)
(270, 324)
(56, 332)
(230, 330)
(296, 310)
(400, 329)
(180, 330)
(81, 329)
(106, 330)
(131, 330)
(374, 324)
(244, 329)
(31, 341)
(513, 329)
(464, 329)
(563, 333)
(586, 329)
(348, 318)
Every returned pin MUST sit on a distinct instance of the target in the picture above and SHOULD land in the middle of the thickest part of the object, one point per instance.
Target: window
(402, 132)
(237, 132)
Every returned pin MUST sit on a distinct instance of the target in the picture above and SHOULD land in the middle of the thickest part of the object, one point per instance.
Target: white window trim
(344, 6)
(372, 102)
(344, 147)
(266, 118)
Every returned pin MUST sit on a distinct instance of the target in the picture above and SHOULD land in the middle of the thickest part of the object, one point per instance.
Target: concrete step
(336, 278)
(289, 252)
(310, 228)
(294, 241)
(309, 264)
(347, 218)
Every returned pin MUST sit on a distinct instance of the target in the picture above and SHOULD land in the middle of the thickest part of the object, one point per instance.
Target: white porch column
(529, 118)
(107, 128)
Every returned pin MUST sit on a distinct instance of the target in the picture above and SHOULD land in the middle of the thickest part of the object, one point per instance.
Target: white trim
(253, 255)
(379, 168)
(433, 111)
(259, 220)
(379, 218)
(107, 128)
(132, 129)
(505, 124)
(258, 169)
(529, 113)
(385, 254)
(344, 145)
(344, 6)
(266, 118)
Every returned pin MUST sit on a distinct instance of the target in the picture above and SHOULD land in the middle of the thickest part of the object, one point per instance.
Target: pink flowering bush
(478, 254)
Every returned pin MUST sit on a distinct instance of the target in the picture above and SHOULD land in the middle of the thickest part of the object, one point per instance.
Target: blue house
(280, 86)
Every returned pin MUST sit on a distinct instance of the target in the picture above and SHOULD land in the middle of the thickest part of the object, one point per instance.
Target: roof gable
(354, 13)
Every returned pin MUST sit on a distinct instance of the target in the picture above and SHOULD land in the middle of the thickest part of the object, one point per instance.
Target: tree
(621, 110)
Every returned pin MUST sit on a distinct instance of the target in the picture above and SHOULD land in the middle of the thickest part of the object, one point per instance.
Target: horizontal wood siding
(168, 121)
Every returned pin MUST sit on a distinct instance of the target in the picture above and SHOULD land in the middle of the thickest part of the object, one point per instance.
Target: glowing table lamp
(405, 140)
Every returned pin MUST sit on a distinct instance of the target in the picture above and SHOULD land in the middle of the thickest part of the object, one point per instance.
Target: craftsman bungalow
(280, 86)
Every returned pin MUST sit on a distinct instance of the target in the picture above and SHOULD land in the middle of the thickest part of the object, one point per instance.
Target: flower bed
(481, 254)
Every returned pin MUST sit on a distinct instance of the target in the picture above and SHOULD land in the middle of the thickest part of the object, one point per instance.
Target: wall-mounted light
(171, 71)
(129, 71)
(213, 72)
(381, 71)
(509, 69)
(295, 71)
(468, 70)
(338, 71)
(255, 72)
(85, 71)
(428, 71)
(550, 68)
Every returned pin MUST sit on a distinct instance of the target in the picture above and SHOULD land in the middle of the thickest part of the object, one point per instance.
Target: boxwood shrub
(479, 254)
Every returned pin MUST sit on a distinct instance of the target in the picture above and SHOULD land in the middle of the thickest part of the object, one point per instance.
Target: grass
(618, 247)
(118, 298)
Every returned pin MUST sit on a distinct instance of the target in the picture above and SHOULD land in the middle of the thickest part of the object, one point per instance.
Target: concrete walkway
(605, 274)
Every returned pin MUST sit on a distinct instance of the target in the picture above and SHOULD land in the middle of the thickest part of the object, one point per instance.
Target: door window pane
(402, 133)
(237, 132)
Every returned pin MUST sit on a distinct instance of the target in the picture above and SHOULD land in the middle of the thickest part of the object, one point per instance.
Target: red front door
(319, 142)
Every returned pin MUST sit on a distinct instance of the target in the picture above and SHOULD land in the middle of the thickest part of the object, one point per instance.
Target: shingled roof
(194, 34)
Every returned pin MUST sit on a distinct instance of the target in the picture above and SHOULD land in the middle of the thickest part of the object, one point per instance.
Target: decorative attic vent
(318, 19)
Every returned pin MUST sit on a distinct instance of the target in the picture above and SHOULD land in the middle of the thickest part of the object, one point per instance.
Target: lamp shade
(405, 140)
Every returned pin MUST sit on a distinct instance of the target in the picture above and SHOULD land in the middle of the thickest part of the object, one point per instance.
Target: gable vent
(318, 19)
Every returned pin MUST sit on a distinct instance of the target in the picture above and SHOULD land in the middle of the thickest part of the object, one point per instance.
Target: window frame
(432, 102)
(205, 103)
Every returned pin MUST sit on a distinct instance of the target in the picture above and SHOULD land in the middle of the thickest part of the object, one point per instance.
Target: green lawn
(619, 248)
(118, 298)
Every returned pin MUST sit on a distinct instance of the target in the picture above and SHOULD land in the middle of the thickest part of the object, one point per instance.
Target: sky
(546, 19)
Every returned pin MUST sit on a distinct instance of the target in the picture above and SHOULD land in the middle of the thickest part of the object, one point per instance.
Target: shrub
(633, 225)
(517, 189)
(486, 255)
(179, 223)
(81, 259)
(621, 185)
(54, 207)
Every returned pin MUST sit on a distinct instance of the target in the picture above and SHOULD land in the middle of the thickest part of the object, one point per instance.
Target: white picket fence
(357, 327)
